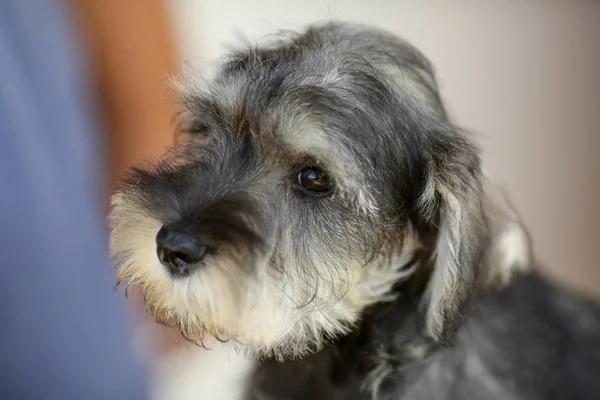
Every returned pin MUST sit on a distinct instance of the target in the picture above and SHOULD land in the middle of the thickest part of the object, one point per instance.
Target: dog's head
(309, 174)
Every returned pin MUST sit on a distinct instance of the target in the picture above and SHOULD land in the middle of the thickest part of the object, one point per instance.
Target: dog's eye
(314, 180)
(198, 128)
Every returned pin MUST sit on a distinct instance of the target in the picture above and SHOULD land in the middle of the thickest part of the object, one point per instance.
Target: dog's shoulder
(527, 340)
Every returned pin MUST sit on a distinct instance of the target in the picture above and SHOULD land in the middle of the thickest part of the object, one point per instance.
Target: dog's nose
(179, 251)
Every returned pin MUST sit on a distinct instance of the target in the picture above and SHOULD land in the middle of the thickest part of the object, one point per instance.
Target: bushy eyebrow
(310, 142)
(202, 106)
(305, 129)
(212, 113)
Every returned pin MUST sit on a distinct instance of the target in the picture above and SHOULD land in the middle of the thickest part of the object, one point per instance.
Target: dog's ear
(452, 198)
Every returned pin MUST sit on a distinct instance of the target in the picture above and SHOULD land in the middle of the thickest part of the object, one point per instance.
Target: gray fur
(383, 273)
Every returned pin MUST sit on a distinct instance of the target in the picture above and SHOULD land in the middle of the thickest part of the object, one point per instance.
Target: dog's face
(308, 175)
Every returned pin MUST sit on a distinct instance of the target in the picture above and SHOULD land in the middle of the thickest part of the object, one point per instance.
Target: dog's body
(324, 215)
(525, 341)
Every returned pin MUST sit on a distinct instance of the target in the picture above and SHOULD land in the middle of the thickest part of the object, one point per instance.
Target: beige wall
(524, 75)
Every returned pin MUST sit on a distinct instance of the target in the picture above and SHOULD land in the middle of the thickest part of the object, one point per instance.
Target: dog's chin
(222, 300)
(251, 314)
(209, 301)
(251, 311)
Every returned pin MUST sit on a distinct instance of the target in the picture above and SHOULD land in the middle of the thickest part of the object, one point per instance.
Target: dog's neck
(392, 331)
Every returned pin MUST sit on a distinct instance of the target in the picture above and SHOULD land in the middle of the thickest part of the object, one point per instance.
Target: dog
(323, 214)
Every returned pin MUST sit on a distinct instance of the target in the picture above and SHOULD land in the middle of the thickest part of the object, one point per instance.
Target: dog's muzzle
(180, 251)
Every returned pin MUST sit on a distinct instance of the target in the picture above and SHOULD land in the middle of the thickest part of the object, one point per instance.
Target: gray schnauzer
(322, 213)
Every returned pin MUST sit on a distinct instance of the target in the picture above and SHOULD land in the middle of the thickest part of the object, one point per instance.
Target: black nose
(179, 251)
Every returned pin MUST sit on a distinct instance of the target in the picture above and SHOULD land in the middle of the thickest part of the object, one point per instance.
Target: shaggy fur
(412, 279)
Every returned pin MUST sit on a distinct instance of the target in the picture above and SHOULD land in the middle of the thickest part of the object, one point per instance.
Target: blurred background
(524, 75)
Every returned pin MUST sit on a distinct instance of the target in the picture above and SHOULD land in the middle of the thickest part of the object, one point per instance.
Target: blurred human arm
(134, 54)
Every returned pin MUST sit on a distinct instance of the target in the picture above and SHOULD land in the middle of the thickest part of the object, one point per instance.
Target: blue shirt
(63, 332)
